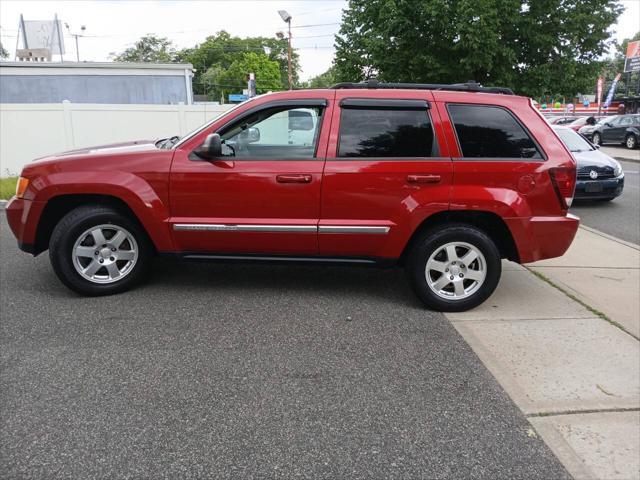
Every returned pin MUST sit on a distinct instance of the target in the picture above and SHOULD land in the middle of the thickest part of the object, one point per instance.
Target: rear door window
(491, 132)
(386, 132)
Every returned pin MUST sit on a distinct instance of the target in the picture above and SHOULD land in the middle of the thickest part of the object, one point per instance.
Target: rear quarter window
(485, 131)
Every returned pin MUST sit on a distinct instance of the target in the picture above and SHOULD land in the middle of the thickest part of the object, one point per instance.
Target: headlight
(617, 169)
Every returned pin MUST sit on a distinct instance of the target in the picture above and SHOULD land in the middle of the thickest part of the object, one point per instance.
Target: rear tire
(96, 250)
(631, 142)
(596, 139)
(454, 268)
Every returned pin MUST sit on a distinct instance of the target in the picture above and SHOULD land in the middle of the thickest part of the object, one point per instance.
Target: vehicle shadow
(366, 283)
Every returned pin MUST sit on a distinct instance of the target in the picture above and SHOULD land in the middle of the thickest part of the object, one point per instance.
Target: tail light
(564, 183)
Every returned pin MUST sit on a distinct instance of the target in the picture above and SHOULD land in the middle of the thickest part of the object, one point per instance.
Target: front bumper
(23, 216)
(538, 238)
(607, 188)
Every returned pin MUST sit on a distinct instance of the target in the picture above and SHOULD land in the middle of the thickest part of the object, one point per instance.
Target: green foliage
(324, 80)
(7, 187)
(222, 81)
(534, 47)
(221, 50)
(149, 49)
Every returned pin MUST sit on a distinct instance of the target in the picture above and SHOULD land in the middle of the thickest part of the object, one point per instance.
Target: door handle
(293, 178)
(423, 178)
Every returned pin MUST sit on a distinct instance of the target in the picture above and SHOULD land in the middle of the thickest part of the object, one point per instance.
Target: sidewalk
(572, 365)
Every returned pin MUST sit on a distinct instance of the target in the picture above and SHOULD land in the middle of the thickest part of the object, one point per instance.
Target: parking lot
(247, 371)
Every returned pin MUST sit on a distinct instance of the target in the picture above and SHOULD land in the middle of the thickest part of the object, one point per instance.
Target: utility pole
(76, 35)
(287, 18)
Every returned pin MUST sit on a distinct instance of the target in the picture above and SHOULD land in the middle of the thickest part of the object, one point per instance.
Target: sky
(114, 25)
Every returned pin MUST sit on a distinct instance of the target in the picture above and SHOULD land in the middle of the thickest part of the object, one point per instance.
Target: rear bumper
(23, 216)
(537, 238)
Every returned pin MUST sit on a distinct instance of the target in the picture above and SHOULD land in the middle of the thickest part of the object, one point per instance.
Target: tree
(222, 81)
(221, 50)
(324, 80)
(149, 49)
(535, 47)
(3, 51)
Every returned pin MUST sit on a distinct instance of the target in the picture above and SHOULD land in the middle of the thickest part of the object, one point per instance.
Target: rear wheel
(631, 142)
(455, 268)
(596, 139)
(96, 250)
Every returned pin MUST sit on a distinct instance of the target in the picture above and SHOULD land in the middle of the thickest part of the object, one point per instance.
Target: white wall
(29, 131)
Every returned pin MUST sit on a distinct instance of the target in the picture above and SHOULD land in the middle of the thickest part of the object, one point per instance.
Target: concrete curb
(635, 246)
(3, 204)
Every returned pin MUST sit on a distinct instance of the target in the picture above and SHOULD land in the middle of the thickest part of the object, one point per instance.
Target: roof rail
(469, 86)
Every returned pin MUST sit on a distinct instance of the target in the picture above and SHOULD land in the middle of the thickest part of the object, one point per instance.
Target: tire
(631, 142)
(596, 139)
(432, 248)
(120, 257)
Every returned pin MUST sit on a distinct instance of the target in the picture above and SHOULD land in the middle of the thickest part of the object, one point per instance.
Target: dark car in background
(621, 129)
(600, 177)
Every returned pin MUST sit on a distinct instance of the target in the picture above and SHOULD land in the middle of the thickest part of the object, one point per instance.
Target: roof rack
(469, 86)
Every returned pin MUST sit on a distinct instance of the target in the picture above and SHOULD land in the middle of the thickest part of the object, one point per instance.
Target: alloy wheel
(105, 253)
(456, 270)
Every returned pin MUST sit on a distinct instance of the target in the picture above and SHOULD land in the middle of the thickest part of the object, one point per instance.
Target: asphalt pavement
(619, 217)
(230, 371)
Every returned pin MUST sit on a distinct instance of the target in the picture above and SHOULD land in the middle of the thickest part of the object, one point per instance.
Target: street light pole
(287, 18)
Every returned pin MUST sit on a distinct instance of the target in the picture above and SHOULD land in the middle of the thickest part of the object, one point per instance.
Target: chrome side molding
(223, 227)
(244, 228)
(353, 229)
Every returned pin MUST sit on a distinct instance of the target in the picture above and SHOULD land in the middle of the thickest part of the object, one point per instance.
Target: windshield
(206, 125)
(573, 141)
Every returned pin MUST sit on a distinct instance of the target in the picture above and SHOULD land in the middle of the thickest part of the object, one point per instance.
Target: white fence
(29, 131)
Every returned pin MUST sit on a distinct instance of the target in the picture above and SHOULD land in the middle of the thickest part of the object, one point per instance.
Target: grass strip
(596, 312)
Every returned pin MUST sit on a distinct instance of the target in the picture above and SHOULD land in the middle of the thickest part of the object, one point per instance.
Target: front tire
(454, 269)
(96, 250)
(596, 139)
(631, 142)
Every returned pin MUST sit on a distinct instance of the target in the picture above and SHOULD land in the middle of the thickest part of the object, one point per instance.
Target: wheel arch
(58, 206)
(490, 223)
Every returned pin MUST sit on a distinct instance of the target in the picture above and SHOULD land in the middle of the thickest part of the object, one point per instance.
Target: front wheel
(596, 139)
(96, 250)
(454, 269)
(631, 142)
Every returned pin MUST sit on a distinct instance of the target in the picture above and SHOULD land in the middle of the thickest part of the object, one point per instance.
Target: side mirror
(211, 148)
(607, 124)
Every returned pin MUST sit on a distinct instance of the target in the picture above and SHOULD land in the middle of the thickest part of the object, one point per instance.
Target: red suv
(445, 180)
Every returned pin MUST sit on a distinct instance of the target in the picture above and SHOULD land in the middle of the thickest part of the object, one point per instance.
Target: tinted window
(490, 132)
(370, 132)
(279, 132)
